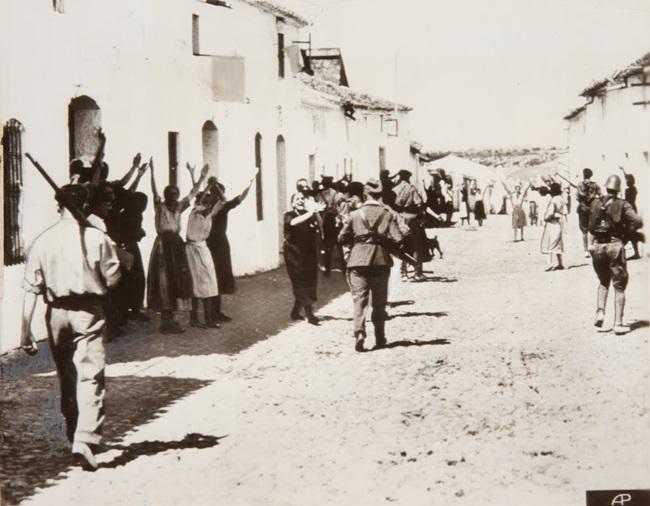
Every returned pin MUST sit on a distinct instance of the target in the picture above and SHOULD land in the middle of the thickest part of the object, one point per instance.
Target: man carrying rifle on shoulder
(72, 265)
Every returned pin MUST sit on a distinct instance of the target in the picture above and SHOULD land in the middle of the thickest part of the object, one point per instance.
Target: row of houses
(611, 128)
(234, 84)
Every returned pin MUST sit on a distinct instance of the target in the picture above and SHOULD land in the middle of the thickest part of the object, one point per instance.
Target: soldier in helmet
(611, 221)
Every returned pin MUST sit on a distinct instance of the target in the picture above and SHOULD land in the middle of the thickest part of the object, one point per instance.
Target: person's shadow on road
(149, 448)
(411, 314)
(407, 344)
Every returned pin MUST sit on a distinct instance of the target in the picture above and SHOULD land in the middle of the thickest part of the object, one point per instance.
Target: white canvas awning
(459, 167)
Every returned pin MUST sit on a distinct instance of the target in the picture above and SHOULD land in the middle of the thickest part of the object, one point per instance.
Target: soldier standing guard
(611, 222)
(372, 230)
(73, 266)
(588, 191)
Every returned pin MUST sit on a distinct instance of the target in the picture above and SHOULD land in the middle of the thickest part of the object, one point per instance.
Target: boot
(295, 312)
(311, 317)
(210, 322)
(360, 340)
(194, 315)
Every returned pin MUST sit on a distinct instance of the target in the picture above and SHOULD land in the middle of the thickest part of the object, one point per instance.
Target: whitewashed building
(199, 81)
(612, 128)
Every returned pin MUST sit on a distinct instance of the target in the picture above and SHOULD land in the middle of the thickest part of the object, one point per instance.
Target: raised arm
(154, 191)
(197, 185)
(523, 195)
(506, 188)
(192, 170)
(244, 193)
(141, 170)
(99, 158)
(129, 173)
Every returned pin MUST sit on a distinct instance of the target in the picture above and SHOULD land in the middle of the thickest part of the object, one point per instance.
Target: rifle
(560, 175)
(125, 258)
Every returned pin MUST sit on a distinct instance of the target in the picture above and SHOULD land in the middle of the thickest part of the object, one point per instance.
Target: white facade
(613, 129)
(137, 62)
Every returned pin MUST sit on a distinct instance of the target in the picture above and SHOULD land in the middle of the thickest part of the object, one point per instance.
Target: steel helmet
(613, 183)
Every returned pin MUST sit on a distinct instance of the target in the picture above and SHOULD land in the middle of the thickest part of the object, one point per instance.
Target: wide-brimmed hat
(373, 186)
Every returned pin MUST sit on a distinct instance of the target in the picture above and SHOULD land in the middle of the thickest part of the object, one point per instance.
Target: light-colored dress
(518, 214)
(202, 270)
(554, 221)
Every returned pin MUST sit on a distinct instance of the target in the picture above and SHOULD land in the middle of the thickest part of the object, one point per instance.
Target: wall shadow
(33, 445)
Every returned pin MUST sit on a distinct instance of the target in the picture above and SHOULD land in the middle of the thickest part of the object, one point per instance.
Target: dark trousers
(364, 282)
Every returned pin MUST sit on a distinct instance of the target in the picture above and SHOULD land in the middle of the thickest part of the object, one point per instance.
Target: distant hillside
(519, 164)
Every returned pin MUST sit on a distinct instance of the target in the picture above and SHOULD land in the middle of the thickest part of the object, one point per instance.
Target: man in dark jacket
(371, 230)
(588, 191)
(409, 203)
(611, 222)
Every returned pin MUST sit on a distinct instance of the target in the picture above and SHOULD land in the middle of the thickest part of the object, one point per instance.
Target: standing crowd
(89, 270)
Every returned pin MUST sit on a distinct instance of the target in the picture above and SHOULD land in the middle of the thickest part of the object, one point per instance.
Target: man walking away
(370, 229)
(611, 221)
(73, 267)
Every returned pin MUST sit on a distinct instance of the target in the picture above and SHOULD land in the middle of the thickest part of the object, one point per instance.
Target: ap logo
(618, 497)
(621, 499)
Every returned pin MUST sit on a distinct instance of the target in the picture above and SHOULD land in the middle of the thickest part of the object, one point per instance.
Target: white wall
(135, 60)
(610, 127)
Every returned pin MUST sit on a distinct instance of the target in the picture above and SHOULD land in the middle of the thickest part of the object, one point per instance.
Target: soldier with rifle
(587, 192)
(612, 222)
(72, 266)
(374, 234)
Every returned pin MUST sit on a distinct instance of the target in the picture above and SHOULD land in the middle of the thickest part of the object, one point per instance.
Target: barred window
(12, 155)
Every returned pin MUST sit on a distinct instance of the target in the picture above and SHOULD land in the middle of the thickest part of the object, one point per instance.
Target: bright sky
(481, 73)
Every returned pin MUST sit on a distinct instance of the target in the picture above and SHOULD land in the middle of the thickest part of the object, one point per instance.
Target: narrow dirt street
(495, 389)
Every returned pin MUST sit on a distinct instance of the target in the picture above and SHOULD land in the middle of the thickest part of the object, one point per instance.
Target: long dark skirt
(479, 210)
(130, 291)
(169, 273)
(220, 250)
(303, 274)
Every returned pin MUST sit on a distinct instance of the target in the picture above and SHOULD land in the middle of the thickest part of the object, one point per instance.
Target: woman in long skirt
(552, 243)
(169, 281)
(479, 206)
(220, 247)
(202, 270)
(301, 230)
(517, 198)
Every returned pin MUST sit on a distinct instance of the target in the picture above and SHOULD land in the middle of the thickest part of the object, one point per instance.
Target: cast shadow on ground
(34, 451)
(409, 314)
(149, 448)
(639, 324)
(577, 266)
(407, 344)
(329, 318)
(401, 303)
(436, 279)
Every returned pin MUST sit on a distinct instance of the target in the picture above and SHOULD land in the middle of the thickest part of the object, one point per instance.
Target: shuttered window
(12, 155)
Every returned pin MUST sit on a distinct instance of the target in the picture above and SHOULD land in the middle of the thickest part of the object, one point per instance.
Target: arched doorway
(210, 141)
(84, 123)
(281, 167)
